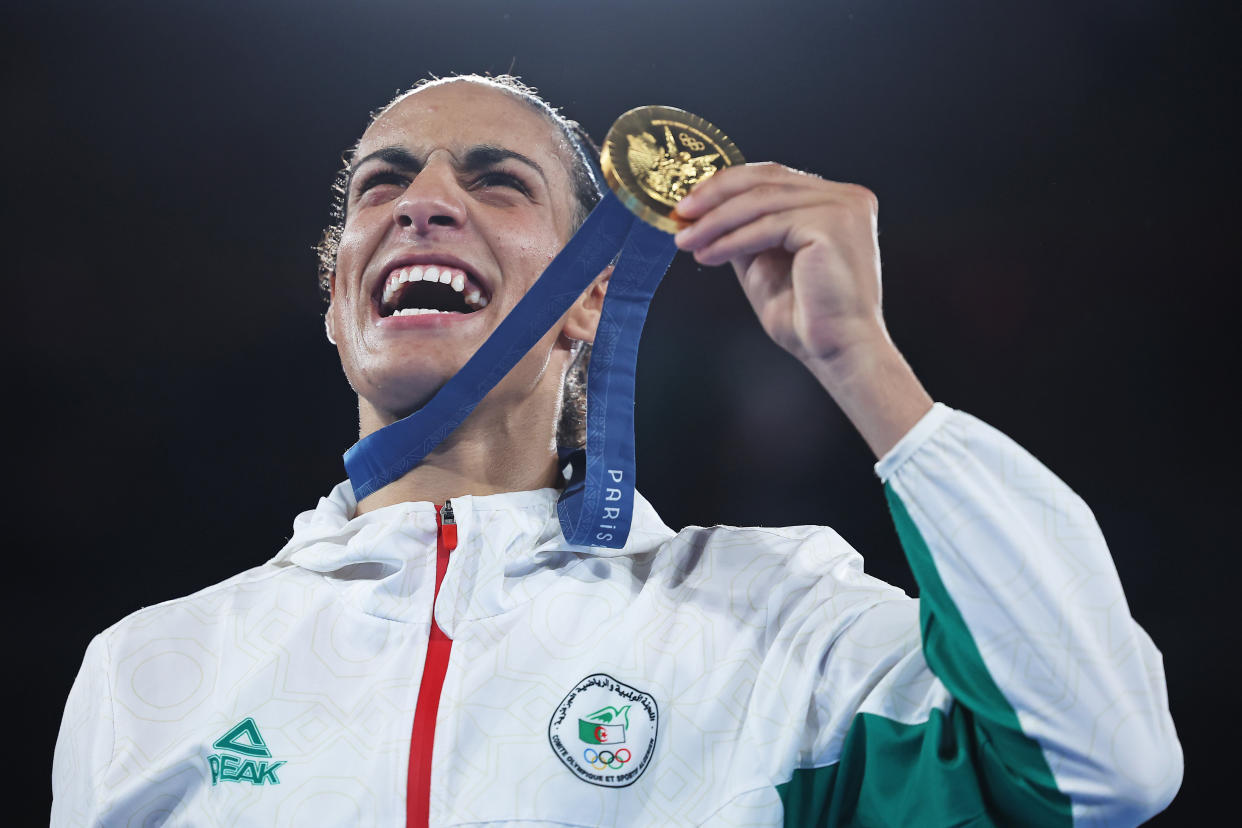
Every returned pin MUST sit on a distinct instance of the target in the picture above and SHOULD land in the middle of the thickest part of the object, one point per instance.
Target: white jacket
(720, 675)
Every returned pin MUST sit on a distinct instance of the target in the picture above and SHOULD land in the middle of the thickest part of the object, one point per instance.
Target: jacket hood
(506, 544)
(322, 535)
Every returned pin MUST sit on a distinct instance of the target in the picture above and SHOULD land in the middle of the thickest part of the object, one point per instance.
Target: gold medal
(654, 155)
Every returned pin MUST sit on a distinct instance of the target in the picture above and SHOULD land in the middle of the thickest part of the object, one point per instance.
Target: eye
(497, 178)
(382, 177)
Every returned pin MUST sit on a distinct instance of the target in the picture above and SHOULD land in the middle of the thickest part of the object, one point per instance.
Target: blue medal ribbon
(596, 506)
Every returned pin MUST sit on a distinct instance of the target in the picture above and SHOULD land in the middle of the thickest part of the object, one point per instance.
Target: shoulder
(810, 551)
(769, 572)
(788, 552)
(191, 622)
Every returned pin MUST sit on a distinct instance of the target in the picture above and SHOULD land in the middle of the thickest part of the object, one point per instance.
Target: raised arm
(1048, 703)
(806, 253)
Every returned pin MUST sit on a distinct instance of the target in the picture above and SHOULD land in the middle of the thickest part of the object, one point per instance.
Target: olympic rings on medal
(691, 142)
(603, 759)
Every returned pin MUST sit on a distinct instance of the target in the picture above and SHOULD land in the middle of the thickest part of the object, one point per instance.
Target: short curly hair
(582, 160)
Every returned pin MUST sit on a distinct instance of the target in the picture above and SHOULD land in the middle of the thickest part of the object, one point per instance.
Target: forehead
(458, 115)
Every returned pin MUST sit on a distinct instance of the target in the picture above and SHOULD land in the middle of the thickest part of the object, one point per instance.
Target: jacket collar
(508, 543)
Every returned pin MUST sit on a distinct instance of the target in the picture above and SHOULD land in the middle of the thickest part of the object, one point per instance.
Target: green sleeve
(971, 766)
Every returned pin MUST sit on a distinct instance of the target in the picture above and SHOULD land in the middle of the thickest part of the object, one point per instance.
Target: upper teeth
(451, 276)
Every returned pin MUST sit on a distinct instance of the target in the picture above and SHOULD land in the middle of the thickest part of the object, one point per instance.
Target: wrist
(876, 389)
(855, 361)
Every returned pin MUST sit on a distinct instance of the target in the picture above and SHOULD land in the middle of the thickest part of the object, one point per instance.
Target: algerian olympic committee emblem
(605, 731)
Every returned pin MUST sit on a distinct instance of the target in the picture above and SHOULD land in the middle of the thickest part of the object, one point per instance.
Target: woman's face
(467, 180)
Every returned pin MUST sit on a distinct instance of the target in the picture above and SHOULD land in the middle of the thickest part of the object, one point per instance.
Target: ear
(582, 318)
(329, 321)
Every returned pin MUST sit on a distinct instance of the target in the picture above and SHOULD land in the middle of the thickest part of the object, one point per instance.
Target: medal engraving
(654, 155)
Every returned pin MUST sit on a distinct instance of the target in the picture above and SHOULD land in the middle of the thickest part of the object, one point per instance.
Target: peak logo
(242, 757)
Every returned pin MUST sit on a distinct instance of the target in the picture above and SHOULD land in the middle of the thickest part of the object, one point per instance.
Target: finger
(767, 232)
(733, 180)
(749, 205)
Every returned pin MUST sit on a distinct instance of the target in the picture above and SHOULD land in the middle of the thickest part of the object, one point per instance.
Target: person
(436, 653)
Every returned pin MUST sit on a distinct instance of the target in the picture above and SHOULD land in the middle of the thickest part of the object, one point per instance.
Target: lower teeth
(417, 311)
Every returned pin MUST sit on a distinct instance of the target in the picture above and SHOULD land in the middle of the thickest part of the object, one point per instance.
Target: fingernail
(686, 203)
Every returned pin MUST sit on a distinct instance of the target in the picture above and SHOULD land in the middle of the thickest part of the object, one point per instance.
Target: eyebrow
(482, 156)
(478, 157)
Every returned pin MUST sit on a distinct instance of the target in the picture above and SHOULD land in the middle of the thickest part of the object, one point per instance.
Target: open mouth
(418, 289)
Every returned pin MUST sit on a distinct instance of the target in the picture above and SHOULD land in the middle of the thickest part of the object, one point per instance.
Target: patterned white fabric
(759, 646)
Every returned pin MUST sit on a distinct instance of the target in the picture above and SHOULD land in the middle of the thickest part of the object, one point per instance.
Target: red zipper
(422, 739)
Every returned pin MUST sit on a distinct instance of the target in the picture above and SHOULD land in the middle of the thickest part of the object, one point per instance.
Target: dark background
(1056, 184)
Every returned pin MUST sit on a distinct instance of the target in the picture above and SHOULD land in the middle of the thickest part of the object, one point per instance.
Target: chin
(399, 395)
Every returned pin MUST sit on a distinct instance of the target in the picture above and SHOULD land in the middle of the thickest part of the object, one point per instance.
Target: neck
(509, 448)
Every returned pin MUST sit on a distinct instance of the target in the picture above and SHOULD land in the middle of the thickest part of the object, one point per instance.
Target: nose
(433, 199)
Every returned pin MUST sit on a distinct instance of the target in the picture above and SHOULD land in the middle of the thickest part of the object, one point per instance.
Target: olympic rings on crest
(606, 758)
